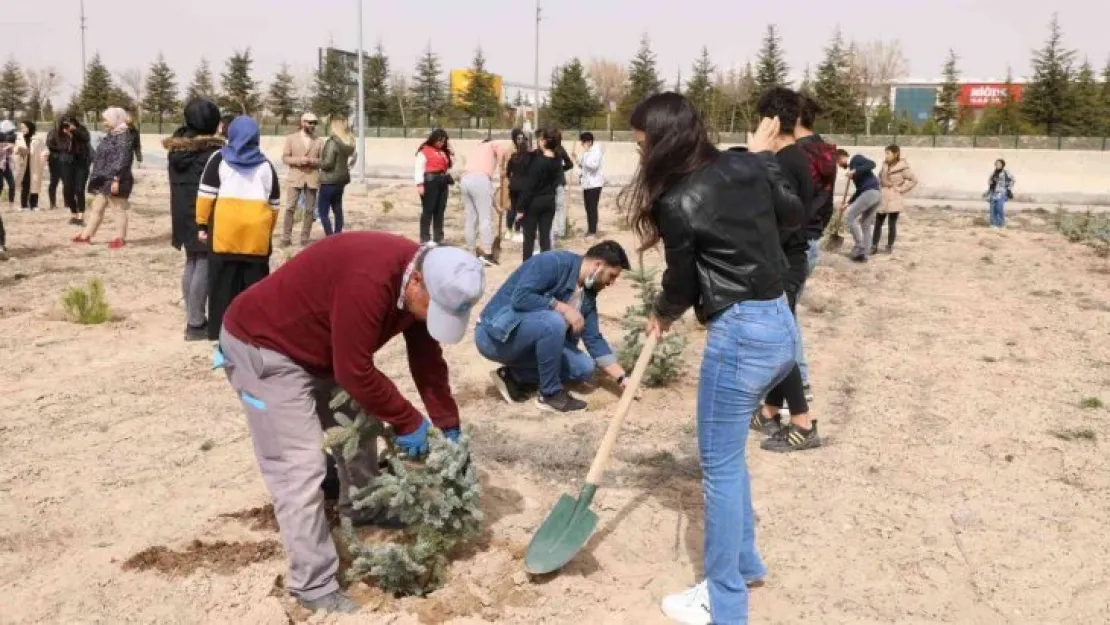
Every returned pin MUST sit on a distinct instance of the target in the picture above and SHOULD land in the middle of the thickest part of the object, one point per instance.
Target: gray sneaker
(334, 602)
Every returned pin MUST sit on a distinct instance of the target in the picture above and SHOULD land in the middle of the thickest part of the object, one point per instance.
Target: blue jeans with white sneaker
(749, 349)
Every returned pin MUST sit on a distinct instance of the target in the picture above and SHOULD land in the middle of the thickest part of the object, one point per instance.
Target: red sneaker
(116, 244)
(81, 239)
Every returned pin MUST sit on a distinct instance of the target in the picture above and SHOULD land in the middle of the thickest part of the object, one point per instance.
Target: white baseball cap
(455, 281)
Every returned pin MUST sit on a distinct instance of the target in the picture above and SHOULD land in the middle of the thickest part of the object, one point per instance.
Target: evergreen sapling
(666, 362)
(436, 500)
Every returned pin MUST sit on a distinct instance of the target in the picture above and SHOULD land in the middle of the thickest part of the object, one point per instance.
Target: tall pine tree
(240, 92)
(161, 90)
(375, 87)
(771, 67)
(1005, 118)
(13, 89)
(202, 85)
(572, 100)
(429, 94)
(700, 90)
(643, 78)
(835, 90)
(946, 112)
(282, 96)
(99, 92)
(333, 88)
(479, 99)
(1046, 99)
(1085, 114)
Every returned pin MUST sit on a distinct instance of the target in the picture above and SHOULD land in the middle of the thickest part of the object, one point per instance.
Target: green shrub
(87, 306)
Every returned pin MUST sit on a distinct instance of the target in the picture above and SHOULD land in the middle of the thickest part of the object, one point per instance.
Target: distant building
(917, 98)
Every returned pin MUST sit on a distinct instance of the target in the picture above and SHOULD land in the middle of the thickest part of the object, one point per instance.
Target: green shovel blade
(563, 533)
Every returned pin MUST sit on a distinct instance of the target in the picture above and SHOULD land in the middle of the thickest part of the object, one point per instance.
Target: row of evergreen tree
(1060, 98)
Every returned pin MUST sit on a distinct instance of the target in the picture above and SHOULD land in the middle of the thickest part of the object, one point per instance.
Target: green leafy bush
(87, 306)
(666, 362)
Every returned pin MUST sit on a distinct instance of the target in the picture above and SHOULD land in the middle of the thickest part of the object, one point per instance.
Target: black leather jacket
(720, 227)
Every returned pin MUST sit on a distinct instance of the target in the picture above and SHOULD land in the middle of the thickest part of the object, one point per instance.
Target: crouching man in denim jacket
(533, 324)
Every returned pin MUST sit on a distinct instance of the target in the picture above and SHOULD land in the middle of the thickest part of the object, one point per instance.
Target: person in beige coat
(30, 163)
(302, 155)
(897, 179)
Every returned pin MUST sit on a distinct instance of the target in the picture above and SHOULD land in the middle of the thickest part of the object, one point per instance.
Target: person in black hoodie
(801, 433)
(55, 147)
(864, 203)
(537, 201)
(75, 157)
(516, 171)
(559, 219)
(188, 151)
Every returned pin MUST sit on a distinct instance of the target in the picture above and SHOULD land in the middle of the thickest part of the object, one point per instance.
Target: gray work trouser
(559, 224)
(287, 409)
(194, 288)
(861, 220)
(308, 213)
(477, 196)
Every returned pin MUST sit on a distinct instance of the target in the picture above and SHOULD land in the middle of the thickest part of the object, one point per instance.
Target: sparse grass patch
(1080, 434)
(1092, 229)
(87, 306)
(980, 221)
(387, 206)
(1090, 403)
(987, 260)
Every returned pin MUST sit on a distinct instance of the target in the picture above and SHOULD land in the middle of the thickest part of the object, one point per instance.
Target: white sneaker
(690, 607)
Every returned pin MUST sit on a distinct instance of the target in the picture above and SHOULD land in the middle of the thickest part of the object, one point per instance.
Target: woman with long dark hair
(538, 199)
(74, 160)
(433, 182)
(516, 171)
(719, 216)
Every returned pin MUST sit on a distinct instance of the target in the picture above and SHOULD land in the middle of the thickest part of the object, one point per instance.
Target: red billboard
(983, 95)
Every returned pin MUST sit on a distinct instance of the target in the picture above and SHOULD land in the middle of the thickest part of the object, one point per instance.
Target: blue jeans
(749, 349)
(538, 352)
(813, 254)
(998, 211)
(330, 199)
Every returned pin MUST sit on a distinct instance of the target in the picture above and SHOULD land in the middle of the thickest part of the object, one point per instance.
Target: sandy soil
(961, 481)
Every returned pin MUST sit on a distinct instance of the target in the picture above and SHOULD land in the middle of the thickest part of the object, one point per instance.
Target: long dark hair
(438, 135)
(676, 144)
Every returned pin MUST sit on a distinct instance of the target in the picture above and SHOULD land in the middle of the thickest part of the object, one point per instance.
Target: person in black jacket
(53, 163)
(863, 205)
(720, 217)
(537, 200)
(801, 433)
(74, 158)
(516, 170)
(187, 152)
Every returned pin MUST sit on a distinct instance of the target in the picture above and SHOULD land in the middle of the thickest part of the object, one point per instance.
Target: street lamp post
(536, 76)
(361, 105)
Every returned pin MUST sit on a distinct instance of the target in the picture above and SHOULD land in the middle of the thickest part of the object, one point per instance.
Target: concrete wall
(1043, 176)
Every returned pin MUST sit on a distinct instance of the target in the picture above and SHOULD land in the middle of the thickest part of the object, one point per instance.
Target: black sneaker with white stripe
(512, 391)
(560, 402)
(793, 438)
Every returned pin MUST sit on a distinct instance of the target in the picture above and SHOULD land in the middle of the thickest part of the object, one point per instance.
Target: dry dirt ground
(964, 477)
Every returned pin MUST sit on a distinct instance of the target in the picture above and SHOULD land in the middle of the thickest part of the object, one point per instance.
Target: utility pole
(361, 105)
(84, 64)
(536, 76)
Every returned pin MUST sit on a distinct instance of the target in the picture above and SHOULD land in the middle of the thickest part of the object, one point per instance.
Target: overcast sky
(987, 34)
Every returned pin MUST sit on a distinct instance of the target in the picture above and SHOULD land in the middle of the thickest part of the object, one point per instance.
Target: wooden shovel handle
(597, 469)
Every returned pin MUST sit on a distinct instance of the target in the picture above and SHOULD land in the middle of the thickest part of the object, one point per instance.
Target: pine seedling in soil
(436, 500)
(87, 306)
(666, 362)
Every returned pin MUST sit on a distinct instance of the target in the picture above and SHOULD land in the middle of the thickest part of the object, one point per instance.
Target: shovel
(571, 522)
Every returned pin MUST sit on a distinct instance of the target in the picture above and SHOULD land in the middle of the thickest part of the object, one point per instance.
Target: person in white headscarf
(111, 180)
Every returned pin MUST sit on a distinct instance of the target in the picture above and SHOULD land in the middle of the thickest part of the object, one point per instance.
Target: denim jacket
(539, 284)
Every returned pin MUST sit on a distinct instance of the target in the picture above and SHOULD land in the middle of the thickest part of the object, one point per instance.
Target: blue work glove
(415, 444)
(452, 434)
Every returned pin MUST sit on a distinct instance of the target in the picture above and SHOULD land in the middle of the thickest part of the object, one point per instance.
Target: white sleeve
(418, 173)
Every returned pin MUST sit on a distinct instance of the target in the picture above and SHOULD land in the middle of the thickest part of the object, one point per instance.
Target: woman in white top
(591, 179)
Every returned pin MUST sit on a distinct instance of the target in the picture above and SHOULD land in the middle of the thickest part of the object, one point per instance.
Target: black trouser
(433, 207)
(26, 198)
(539, 216)
(6, 175)
(511, 216)
(55, 178)
(878, 234)
(227, 278)
(592, 198)
(791, 388)
(75, 176)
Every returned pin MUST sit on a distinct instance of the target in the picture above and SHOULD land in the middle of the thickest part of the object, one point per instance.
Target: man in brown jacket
(302, 155)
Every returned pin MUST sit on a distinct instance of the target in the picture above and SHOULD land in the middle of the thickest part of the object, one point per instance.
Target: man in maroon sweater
(316, 323)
